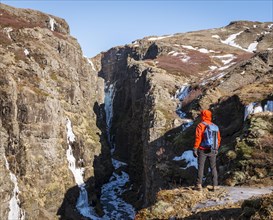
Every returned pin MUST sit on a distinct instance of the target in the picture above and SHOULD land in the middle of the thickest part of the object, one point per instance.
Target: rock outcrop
(46, 81)
(225, 69)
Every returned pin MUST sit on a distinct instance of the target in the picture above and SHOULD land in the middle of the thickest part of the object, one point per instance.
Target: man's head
(206, 115)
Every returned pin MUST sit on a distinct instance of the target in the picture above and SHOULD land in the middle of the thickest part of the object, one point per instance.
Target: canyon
(81, 137)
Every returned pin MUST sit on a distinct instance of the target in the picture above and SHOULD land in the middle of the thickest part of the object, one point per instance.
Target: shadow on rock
(103, 169)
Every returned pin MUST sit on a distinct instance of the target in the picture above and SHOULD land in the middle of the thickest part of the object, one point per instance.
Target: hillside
(110, 137)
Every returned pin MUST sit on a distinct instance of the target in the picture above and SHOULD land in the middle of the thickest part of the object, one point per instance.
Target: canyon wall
(46, 82)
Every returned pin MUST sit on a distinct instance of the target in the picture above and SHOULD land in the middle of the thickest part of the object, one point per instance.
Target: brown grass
(259, 155)
(19, 54)
(198, 62)
(242, 57)
(59, 35)
(8, 20)
(266, 142)
(4, 39)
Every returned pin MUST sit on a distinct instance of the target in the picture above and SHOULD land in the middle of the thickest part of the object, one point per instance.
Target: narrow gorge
(106, 137)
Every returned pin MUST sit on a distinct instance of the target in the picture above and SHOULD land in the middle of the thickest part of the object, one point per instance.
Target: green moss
(224, 149)
(243, 150)
(231, 155)
(54, 77)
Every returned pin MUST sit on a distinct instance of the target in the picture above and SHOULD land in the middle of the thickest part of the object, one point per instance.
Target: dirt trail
(233, 195)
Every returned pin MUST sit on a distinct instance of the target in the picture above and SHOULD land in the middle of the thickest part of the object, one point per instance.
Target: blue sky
(100, 25)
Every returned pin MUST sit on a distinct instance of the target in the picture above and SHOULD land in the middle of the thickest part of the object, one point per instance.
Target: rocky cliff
(46, 83)
(57, 127)
(224, 69)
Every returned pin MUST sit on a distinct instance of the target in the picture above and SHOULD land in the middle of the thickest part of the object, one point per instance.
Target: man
(202, 149)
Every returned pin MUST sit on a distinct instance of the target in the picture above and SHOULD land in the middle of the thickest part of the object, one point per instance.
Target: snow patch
(188, 47)
(185, 59)
(216, 36)
(113, 206)
(270, 26)
(225, 59)
(201, 50)
(15, 212)
(252, 47)
(183, 56)
(269, 106)
(254, 26)
(231, 40)
(82, 204)
(252, 108)
(213, 67)
(227, 66)
(26, 52)
(189, 158)
(92, 64)
(117, 164)
(77, 172)
(52, 23)
(183, 92)
(255, 107)
(158, 38)
(8, 30)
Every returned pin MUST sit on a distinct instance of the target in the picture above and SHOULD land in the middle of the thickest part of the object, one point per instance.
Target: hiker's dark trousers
(202, 156)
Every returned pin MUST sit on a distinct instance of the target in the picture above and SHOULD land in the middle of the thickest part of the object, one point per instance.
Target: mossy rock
(231, 155)
(243, 150)
(239, 177)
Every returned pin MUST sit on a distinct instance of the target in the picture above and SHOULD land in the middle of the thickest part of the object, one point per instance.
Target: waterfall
(15, 212)
(255, 107)
(249, 109)
(181, 94)
(269, 106)
(113, 205)
(82, 202)
(108, 108)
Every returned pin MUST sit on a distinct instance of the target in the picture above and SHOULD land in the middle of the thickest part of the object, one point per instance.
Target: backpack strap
(204, 123)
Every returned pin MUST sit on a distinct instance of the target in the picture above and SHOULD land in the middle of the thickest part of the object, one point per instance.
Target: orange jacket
(206, 116)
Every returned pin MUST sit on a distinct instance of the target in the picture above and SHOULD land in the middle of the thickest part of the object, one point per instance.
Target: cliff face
(224, 69)
(45, 83)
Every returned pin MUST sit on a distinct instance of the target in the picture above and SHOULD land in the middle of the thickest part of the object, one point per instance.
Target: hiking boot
(198, 187)
(214, 188)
